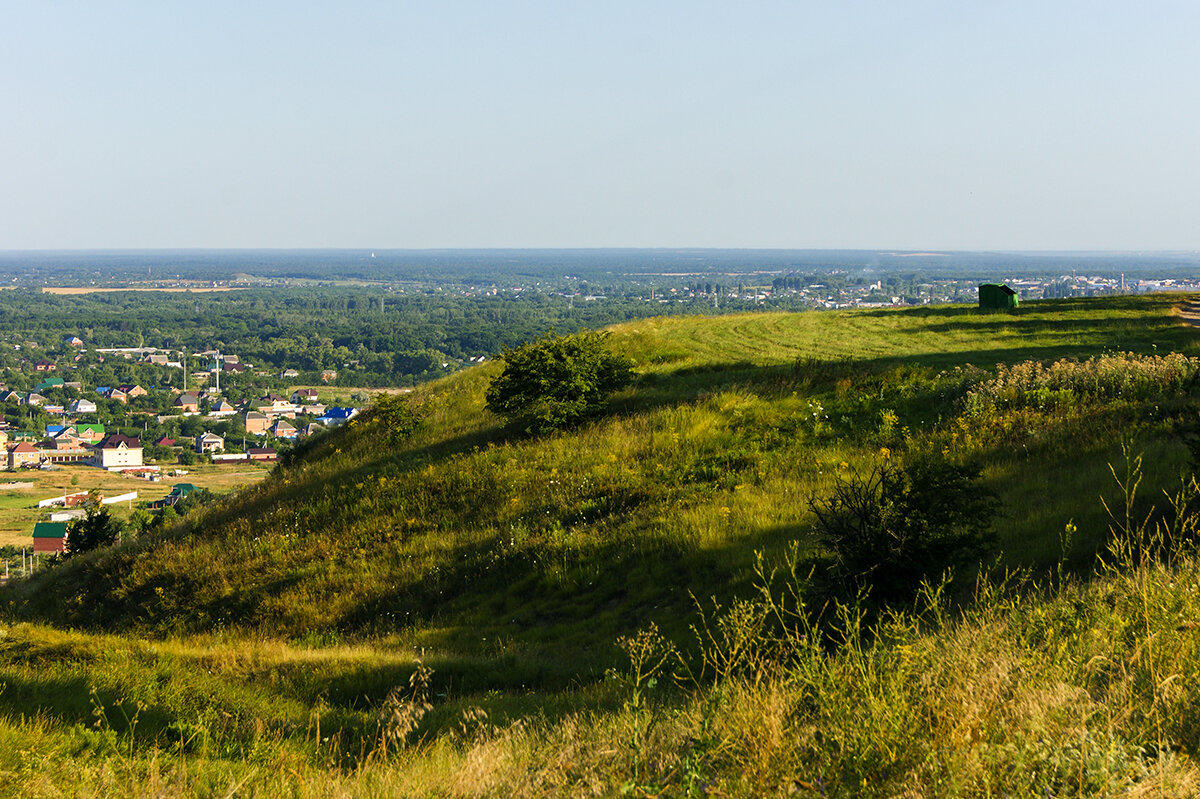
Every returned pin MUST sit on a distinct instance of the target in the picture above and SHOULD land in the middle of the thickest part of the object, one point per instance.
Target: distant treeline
(368, 337)
(513, 267)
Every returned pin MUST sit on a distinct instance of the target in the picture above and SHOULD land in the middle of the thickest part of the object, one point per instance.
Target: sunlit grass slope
(268, 645)
(516, 560)
(1055, 688)
(935, 335)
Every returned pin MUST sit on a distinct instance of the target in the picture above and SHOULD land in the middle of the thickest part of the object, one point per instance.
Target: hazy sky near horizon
(918, 125)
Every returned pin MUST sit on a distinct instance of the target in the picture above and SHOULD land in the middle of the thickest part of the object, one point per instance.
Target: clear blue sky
(927, 125)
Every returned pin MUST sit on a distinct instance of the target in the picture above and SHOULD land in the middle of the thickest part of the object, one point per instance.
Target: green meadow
(623, 607)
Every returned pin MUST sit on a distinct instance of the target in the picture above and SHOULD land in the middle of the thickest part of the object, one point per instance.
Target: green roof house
(178, 492)
(50, 537)
(997, 295)
(90, 432)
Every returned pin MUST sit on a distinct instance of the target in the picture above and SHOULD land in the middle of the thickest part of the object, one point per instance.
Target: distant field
(341, 395)
(18, 506)
(96, 290)
(943, 335)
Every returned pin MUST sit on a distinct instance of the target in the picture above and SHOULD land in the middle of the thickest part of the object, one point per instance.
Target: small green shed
(997, 295)
(49, 536)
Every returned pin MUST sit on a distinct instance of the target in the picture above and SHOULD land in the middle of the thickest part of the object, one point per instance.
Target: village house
(82, 406)
(64, 448)
(209, 442)
(282, 429)
(132, 391)
(73, 341)
(278, 404)
(114, 394)
(35, 399)
(256, 423)
(44, 366)
(116, 452)
(262, 454)
(59, 433)
(92, 433)
(50, 537)
(63, 442)
(222, 408)
(179, 491)
(335, 416)
(188, 403)
(328, 374)
(304, 395)
(232, 367)
(165, 441)
(158, 359)
(288, 374)
(12, 396)
(23, 454)
(49, 383)
(312, 428)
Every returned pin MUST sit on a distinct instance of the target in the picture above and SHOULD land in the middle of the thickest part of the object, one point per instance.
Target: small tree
(395, 417)
(892, 528)
(97, 529)
(556, 381)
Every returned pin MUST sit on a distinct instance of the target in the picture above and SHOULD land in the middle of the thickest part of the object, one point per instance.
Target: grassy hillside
(513, 563)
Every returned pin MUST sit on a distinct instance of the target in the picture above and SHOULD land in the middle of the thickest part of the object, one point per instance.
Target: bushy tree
(891, 528)
(395, 418)
(97, 529)
(556, 381)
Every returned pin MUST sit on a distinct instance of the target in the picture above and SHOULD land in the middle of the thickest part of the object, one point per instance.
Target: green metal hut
(49, 536)
(997, 295)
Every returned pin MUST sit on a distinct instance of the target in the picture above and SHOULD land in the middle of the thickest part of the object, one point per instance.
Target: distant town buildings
(117, 451)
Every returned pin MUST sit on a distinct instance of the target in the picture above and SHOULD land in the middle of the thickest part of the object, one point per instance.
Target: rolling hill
(512, 563)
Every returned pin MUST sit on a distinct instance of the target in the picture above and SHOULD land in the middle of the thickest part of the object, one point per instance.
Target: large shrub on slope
(892, 528)
(556, 381)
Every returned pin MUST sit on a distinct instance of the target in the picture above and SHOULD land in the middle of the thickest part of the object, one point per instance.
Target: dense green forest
(370, 337)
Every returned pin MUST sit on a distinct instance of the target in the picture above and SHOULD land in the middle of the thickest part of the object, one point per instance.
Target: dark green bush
(556, 381)
(97, 529)
(893, 527)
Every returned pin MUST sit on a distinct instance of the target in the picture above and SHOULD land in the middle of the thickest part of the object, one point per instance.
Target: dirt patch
(1190, 313)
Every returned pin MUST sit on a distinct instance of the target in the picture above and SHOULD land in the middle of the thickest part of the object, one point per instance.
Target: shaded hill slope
(532, 554)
